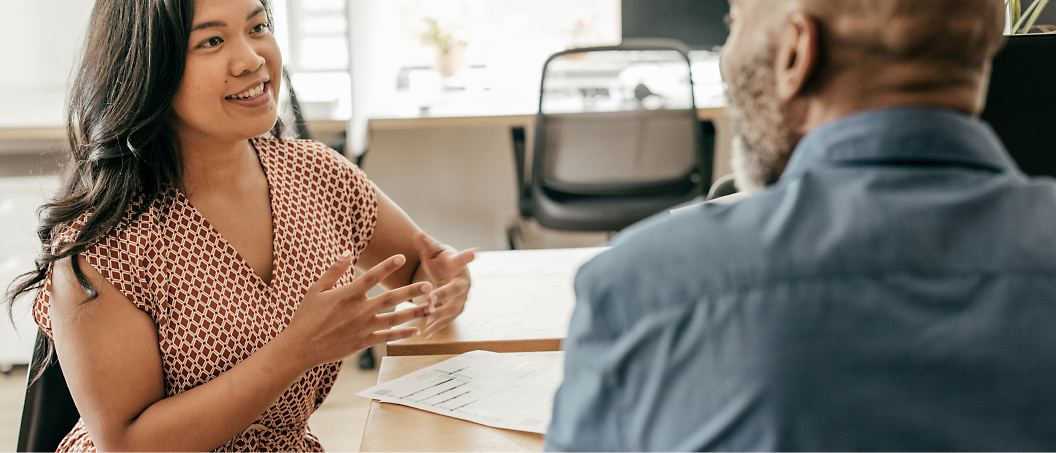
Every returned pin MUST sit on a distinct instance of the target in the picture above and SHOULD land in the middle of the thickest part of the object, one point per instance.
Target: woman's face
(233, 74)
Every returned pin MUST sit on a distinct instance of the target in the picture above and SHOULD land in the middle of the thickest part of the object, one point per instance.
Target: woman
(195, 277)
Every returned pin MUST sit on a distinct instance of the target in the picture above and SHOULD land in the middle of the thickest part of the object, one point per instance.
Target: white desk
(520, 301)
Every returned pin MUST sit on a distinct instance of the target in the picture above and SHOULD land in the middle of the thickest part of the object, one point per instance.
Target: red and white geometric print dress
(212, 311)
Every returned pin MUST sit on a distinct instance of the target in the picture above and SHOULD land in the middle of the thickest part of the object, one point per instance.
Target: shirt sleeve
(586, 407)
(363, 211)
(119, 257)
(347, 194)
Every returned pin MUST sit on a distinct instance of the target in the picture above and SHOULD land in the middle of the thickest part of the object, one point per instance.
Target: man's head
(791, 65)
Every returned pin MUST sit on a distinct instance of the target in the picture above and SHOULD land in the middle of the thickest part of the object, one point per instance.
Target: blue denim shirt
(894, 290)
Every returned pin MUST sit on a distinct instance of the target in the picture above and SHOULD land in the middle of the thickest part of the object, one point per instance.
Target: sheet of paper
(532, 262)
(728, 199)
(510, 391)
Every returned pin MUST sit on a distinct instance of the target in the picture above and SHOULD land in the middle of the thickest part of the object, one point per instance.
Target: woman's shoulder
(122, 255)
(135, 229)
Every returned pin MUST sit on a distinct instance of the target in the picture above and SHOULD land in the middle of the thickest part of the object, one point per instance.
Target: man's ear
(797, 55)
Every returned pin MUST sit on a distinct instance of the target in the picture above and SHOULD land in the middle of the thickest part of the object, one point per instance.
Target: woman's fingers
(463, 258)
(385, 336)
(396, 296)
(334, 273)
(448, 301)
(428, 247)
(371, 278)
(449, 308)
(390, 320)
(440, 319)
(457, 287)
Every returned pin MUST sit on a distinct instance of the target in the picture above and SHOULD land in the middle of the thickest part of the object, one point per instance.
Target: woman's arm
(110, 357)
(392, 235)
(427, 261)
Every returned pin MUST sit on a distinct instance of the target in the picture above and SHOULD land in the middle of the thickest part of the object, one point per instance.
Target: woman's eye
(260, 28)
(212, 42)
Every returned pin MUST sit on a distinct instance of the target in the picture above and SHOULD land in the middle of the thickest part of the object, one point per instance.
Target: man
(891, 285)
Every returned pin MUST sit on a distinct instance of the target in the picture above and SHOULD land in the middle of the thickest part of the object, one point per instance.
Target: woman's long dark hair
(124, 151)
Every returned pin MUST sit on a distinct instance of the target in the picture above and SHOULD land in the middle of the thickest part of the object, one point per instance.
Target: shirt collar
(916, 135)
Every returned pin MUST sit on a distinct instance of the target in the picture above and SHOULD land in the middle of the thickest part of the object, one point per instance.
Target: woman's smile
(255, 96)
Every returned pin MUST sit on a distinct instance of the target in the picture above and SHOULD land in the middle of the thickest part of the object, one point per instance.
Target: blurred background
(421, 93)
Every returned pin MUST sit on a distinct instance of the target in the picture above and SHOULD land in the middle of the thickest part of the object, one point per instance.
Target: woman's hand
(445, 268)
(333, 323)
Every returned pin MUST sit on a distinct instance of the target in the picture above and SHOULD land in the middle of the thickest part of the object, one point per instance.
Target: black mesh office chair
(1019, 104)
(48, 413)
(617, 138)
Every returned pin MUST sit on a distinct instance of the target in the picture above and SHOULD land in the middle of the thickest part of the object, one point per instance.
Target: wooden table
(392, 427)
(520, 301)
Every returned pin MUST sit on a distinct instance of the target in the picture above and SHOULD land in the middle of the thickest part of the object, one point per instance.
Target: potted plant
(1025, 21)
(443, 26)
(448, 44)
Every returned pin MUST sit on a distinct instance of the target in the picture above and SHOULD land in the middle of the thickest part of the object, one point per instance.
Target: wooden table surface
(392, 427)
(520, 301)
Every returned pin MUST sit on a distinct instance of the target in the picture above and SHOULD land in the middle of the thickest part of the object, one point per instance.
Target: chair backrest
(48, 414)
(290, 110)
(617, 153)
(617, 123)
(1020, 102)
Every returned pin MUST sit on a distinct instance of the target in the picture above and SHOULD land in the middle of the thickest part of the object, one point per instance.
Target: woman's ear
(797, 55)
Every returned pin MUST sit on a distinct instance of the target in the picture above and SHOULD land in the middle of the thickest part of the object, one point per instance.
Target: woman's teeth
(250, 93)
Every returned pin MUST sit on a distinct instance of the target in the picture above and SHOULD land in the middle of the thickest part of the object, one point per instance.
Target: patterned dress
(212, 311)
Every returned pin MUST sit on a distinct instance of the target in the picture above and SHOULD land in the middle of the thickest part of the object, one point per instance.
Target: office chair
(48, 413)
(617, 138)
(290, 109)
(722, 187)
(1019, 105)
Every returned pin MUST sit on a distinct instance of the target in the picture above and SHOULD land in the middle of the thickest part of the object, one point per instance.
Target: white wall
(512, 38)
(41, 40)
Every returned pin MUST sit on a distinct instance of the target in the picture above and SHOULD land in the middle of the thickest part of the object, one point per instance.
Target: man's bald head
(959, 37)
(791, 65)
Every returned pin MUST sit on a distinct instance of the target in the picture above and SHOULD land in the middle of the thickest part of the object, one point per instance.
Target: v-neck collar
(230, 249)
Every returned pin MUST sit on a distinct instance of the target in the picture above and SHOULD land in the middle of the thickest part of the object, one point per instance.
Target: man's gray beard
(762, 143)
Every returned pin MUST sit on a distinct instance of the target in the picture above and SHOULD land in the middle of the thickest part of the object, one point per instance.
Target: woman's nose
(246, 59)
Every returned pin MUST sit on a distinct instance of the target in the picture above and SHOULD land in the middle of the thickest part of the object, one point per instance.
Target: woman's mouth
(250, 93)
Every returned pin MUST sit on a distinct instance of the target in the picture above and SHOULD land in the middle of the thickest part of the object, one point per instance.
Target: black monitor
(1021, 104)
(698, 23)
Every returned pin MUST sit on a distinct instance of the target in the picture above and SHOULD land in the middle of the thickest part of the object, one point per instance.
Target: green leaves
(1023, 21)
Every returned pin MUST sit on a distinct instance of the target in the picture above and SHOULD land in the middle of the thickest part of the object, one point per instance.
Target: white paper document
(532, 262)
(510, 391)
